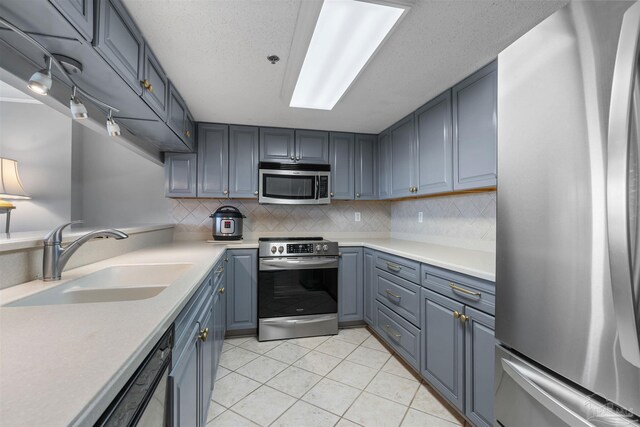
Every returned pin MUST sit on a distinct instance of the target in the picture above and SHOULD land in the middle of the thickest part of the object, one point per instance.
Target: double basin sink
(112, 284)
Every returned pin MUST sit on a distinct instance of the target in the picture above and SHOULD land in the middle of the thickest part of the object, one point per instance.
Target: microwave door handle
(623, 131)
(317, 187)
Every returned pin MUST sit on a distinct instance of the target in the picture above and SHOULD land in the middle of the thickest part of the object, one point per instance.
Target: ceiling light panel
(347, 34)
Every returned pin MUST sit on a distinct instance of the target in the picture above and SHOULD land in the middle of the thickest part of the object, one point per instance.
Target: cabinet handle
(357, 194)
(392, 294)
(393, 267)
(255, 192)
(331, 194)
(204, 333)
(339, 254)
(222, 290)
(147, 85)
(220, 270)
(464, 318)
(456, 314)
(187, 134)
(292, 158)
(297, 157)
(465, 291)
(225, 192)
(390, 331)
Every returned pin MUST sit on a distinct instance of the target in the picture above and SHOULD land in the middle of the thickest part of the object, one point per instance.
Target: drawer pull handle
(392, 294)
(204, 333)
(464, 319)
(220, 270)
(390, 331)
(465, 291)
(456, 314)
(222, 290)
(394, 267)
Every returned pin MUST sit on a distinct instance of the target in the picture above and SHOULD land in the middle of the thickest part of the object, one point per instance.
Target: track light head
(112, 127)
(40, 82)
(78, 110)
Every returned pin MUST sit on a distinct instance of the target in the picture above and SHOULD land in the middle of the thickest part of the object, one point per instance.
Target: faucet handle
(55, 236)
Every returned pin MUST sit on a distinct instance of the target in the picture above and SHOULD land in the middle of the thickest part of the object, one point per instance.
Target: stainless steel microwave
(294, 184)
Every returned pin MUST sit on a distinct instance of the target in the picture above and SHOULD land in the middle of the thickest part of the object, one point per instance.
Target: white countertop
(64, 364)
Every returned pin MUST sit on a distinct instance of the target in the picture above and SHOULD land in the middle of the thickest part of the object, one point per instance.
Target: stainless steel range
(297, 288)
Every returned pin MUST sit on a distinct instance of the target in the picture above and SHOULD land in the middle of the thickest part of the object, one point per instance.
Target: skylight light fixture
(346, 35)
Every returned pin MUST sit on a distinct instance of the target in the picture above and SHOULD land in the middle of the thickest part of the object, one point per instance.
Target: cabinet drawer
(470, 291)
(219, 272)
(401, 267)
(399, 295)
(399, 334)
(190, 310)
(195, 321)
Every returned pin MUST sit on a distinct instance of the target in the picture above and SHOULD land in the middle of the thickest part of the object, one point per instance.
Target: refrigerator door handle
(622, 187)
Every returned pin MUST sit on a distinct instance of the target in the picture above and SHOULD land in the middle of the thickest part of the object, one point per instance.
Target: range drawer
(468, 290)
(399, 295)
(401, 267)
(399, 334)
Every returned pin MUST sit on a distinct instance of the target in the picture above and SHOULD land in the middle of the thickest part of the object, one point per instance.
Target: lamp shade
(10, 185)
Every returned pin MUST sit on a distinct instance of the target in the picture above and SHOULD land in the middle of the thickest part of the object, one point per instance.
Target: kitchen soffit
(215, 53)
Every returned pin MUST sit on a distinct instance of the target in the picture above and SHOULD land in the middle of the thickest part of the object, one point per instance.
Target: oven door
(293, 187)
(297, 286)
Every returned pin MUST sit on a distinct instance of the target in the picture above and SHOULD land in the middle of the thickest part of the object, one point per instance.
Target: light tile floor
(350, 379)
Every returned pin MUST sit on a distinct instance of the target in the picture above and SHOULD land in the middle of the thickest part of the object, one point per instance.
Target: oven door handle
(298, 263)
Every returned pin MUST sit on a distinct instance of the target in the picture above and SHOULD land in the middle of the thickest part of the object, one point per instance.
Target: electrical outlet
(419, 216)
(357, 217)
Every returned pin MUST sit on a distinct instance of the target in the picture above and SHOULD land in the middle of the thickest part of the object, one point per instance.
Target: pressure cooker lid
(228, 212)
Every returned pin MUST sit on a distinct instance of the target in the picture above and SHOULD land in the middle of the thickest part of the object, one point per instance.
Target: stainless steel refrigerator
(568, 255)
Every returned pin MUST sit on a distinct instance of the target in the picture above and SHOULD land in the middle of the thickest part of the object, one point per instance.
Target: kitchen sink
(117, 283)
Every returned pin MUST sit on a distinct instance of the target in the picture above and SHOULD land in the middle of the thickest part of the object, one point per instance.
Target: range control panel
(302, 248)
(283, 249)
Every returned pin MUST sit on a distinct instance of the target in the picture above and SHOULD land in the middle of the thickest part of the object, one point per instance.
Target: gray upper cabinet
(350, 285)
(155, 86)
(369, 278)
(243, 161)
(442, 358)
(277, 145)
(178, 117)
(475, 131)
(384, 165)
(341, 158)
(79, 13)
(366, 167)
(180, 174)
(435, 149)
(403, 157)
(312, 146)
(242, 295)
(120, 42)
(480, 350)
(213, 160)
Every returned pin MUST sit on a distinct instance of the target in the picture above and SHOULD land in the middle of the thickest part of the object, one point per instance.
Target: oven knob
(273, 249)
(325, 247)
(318, 248)
(280, 249)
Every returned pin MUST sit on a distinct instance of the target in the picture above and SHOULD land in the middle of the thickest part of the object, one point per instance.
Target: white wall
(114, 186)
(39, 138)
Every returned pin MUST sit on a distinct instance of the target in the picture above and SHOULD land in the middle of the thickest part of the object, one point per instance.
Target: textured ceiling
(215, 53)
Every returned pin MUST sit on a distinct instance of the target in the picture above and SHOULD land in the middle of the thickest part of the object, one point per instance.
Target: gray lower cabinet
(341, 158)
(207, 363)
(243, 161)
(277, 145)
(366, 167)
(79, 13)
(384, 165)
(312, 146)
(442, 359)
(479, 354)
(184, 384)
(435, 149)
(213, 160)
(403, 157)
(475, 130)
(180, 174)
(242, 293)
(369, 277)
(350, 285)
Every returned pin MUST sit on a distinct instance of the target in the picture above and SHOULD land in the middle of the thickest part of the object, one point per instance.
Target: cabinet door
(366, 167)
(120, 42)
(242, 295)
(402, 157)
(479, 355)
(312, 146)
(277, 145)
(207, 365)
(184, 385)
(435, 149)
(213, 155)
(442, 358)
(176, 112)
(475, 131)
(79, 13)
(341, 156)
(156, 92)
(384, 165)
(243, 161)
(369, 286)
(350, 285)
(180, 175)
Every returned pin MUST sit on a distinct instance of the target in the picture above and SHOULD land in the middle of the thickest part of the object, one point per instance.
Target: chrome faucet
(56, 257)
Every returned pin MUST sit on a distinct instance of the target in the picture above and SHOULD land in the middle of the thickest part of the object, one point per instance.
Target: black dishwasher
(144, 400)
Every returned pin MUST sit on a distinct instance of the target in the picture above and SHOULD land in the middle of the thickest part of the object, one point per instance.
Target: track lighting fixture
(112, 127)
(78, 110)
(40, 81)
